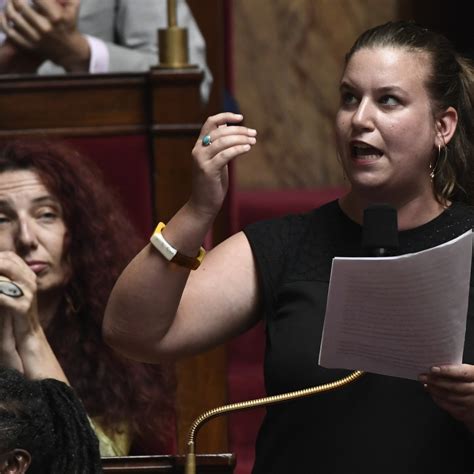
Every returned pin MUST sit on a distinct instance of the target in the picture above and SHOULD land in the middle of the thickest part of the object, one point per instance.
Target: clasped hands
(46, 29)
(19, 322)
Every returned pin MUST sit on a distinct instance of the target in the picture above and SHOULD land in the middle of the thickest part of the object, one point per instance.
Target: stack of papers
(398, 316)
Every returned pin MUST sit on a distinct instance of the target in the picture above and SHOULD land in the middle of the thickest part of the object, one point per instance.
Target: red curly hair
(100, 242)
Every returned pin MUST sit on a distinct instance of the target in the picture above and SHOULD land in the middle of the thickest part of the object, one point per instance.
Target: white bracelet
(162, 245)
(171, 254)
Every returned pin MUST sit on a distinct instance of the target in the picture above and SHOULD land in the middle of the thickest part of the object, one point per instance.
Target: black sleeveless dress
(377, 424)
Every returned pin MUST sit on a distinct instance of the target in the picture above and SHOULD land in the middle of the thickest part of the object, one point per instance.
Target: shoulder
(460, 217)
(461, 209)
(292, 226)
(293, 240)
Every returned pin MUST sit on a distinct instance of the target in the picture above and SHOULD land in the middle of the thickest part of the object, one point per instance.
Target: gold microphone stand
(190, 467)
(173, 43)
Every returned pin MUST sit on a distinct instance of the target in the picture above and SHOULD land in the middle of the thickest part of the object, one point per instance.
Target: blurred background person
(97, 36)
(44, 428)
(63, 242)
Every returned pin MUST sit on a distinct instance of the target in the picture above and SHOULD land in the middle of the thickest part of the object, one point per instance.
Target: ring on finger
(206, 140)
(9, 288)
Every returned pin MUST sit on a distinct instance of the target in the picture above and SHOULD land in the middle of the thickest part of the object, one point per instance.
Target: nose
(25, 238)
(363, 117)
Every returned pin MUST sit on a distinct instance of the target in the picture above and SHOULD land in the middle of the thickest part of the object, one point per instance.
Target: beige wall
(287, 61)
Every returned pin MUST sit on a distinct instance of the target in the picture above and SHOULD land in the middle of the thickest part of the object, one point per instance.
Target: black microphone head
(380, 229)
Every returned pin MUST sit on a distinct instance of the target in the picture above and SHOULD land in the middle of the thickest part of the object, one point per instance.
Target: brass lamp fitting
(173, 42)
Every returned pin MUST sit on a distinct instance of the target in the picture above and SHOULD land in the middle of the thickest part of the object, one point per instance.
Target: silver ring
(9, 288)
(206, 140)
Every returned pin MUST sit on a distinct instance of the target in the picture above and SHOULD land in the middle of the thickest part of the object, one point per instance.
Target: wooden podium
(160, 114)
(215, 464)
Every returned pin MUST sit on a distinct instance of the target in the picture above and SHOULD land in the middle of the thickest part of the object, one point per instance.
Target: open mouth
(365, 152)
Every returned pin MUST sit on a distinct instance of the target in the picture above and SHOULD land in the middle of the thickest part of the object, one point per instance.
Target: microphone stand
(190, 466)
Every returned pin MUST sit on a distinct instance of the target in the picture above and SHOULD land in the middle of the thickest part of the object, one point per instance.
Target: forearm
(73, 54)
(9, 356)
(149, 315)
(13, 61)
(38, 358)
(146, 297)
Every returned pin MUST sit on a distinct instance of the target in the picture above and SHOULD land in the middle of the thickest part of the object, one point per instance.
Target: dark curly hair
(100, 242)
(450, 83)
(45, 418)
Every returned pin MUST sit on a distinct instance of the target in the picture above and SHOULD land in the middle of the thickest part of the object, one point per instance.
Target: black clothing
(377, 424)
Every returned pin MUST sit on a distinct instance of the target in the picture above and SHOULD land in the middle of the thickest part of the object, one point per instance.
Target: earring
(432, 172)
(441, 158)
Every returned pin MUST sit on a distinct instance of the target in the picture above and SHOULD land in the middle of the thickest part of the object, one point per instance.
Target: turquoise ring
(206, 140)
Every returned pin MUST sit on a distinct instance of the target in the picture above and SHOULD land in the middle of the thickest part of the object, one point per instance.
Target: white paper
(401, 315)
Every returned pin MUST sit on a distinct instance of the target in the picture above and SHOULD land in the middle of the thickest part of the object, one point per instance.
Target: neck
(411, 212)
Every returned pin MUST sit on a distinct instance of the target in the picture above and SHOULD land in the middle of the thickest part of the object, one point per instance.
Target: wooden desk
(162, 107)
(215, 464)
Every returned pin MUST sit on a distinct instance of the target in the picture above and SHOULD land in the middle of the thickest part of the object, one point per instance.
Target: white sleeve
(100, 58)
(2, 34)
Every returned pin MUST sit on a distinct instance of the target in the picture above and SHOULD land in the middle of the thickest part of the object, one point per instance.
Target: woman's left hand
(452, 389)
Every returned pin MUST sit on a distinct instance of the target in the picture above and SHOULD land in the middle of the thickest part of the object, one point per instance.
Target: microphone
(380, 230)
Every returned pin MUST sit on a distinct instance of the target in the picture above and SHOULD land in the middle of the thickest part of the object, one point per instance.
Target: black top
(377, 424)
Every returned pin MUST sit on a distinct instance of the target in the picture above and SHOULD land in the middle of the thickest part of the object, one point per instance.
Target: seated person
(63, 242)
(44, 428)
(91, 35)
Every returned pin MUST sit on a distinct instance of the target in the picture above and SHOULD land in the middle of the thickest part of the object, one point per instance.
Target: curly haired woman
(63, 242)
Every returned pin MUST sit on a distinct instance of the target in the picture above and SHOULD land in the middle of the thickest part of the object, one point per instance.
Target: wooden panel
(172, 177)
(216, 464)
(176, 118)
(202, 386)
(73, 105)
(176, 100)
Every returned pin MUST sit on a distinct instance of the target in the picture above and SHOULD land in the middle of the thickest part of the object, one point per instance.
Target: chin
(367, 183)
(373, 190)
(48, 286)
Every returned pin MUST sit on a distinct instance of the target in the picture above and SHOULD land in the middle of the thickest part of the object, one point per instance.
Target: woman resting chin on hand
(60, 253)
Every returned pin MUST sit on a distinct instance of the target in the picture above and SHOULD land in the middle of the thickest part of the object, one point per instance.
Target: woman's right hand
(21, 330)
(210, 173)
(15, 311)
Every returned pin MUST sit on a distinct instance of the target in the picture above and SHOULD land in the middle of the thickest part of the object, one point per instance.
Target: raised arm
(159, 309)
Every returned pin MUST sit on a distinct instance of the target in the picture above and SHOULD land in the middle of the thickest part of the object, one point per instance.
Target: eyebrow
(47, 198)
(381, 90)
